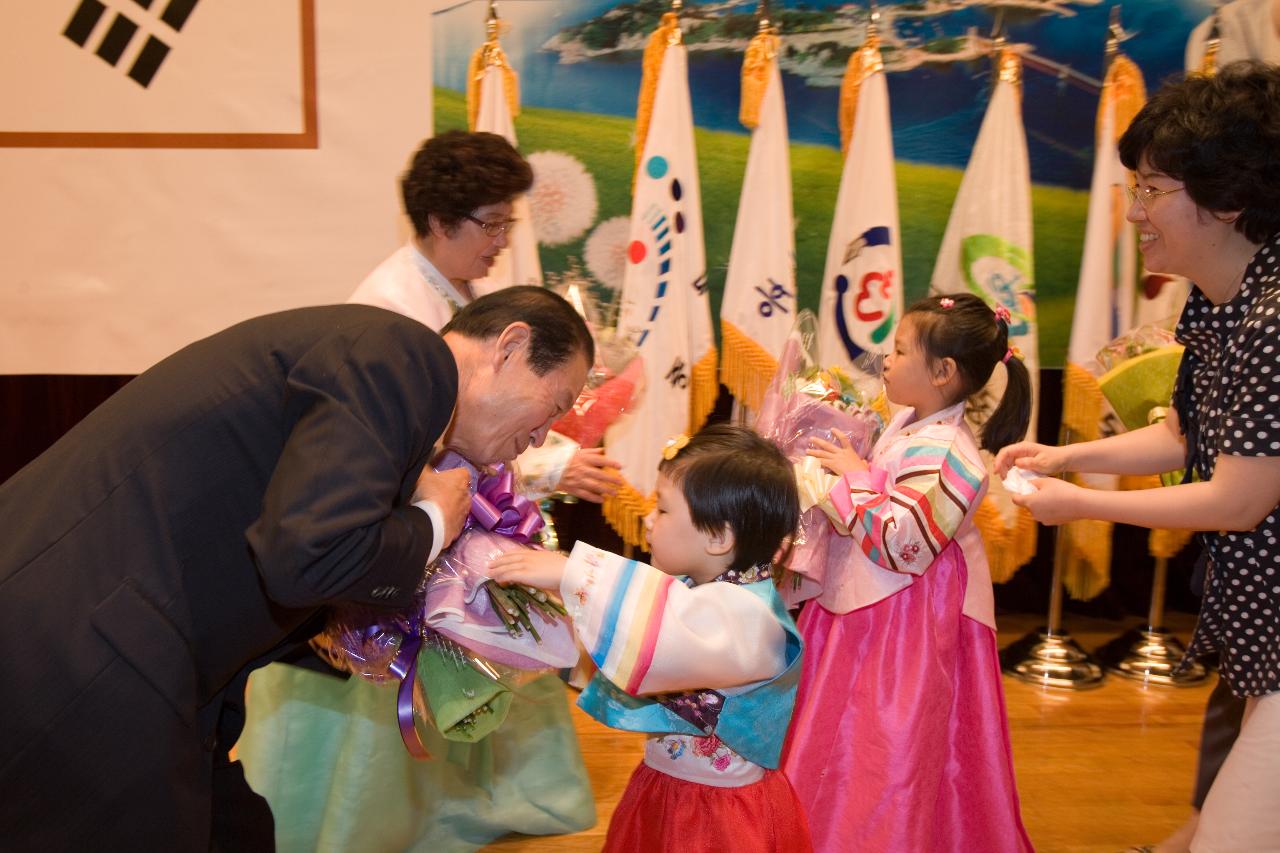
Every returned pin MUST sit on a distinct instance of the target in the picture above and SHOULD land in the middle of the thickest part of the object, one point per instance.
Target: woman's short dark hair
(456, 172)
(731, 476)
(1220, 136)
(964, 328)
(556, 330)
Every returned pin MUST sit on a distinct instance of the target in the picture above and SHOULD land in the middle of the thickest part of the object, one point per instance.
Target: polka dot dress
(1228, 399)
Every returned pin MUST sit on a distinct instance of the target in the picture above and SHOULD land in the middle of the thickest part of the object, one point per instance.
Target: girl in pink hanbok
(899, 740)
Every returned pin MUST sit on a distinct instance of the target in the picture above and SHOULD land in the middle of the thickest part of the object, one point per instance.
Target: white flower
(562, 199)
(606, 251)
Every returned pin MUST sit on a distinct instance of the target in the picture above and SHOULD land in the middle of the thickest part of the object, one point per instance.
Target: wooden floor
(1098, 770)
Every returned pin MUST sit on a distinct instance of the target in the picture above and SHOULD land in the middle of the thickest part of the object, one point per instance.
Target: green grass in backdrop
(925, 194)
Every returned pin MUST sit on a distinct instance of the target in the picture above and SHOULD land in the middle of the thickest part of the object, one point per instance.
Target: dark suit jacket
(181, 534)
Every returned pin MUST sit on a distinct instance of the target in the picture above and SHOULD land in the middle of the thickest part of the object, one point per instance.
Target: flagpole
(1048, 656)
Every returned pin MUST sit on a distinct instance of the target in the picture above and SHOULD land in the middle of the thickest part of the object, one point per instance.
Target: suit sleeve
(904, 525)
(649, 633)
(365, 409)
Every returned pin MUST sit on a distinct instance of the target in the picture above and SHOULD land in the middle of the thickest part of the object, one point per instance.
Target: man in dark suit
(194, 526)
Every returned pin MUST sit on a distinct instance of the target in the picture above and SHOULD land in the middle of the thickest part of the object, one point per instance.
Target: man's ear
(721, 542)
(944, 370)
(510, 341)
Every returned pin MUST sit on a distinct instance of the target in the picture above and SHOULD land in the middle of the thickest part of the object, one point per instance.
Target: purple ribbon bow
(496, 507)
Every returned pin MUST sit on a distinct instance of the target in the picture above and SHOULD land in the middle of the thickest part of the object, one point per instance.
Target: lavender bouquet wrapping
(806, 401)
(466, 643)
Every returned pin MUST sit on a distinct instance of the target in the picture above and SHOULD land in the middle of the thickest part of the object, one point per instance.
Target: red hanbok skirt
(659, 813)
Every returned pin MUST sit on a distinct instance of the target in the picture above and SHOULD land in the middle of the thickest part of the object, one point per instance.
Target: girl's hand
(839, 459)
(1053, 502)
(1041, 458)
(530, 567)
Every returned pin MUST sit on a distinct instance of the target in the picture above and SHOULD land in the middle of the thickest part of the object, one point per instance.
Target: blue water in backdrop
(935, 110)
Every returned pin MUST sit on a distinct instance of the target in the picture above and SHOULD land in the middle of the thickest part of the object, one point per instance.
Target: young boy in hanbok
(697, 651)
(900, 741)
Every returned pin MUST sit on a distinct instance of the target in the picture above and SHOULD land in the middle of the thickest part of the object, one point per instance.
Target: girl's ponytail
(1008, 423)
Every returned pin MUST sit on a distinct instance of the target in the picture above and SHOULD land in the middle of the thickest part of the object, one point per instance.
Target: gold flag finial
(490, 55)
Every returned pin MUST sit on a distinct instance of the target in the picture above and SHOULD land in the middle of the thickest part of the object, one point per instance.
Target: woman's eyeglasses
(1145, 195)
(493, 229)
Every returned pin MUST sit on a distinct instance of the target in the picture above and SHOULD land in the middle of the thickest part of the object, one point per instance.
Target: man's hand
(451, 491)
(839, 459)
(530, 567)
(1041, 458)
(590, 475)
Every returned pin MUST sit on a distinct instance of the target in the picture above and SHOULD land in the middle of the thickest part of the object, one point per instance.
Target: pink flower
(1002, 314)
(721, 762)
(947, 302)
(706, 747)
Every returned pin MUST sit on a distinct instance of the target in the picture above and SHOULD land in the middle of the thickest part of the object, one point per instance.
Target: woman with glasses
(1206, 203)
(326, 753)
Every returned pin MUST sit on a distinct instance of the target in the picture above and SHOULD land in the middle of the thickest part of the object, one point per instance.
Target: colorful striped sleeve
(903, 525)
(649, 633)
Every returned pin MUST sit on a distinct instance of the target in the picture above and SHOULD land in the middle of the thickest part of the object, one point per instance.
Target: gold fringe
(1082, 403)
(703, 390)
(746, 368)
(667, 34)
(625, 512)
(487, 55)
(1087, 557)
(862, 63)
(1009, 548)
(1166, 542)
(755, 77)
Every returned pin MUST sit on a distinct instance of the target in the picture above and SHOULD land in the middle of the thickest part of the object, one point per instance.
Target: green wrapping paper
(464, 705)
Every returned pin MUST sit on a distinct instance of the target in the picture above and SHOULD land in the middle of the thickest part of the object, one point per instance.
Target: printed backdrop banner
(172, 170)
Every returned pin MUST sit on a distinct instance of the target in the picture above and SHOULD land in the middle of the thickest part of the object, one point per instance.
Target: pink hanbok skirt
(899, 740)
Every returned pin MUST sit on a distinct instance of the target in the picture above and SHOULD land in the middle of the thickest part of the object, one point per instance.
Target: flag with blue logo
(664, 307)
(861, 299)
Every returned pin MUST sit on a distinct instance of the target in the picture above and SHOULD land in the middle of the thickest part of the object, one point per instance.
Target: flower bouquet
(466, 643)
(806, 401)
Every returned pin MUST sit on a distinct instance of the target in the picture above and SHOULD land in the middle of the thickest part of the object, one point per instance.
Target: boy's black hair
(730, 475)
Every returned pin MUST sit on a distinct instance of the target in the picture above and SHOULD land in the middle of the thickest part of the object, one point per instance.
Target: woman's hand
(1041, 458)
(839, 459)
(1054, 501)
(530, 567)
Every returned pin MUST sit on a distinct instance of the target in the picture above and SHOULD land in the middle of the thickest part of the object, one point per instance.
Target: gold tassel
(755, 77)
(746, 368)
(704, 388)
(1082, 402)
(1125, 88)
(487, 55)
(667, 34)
(625, 511)
(1008, 548)
(862, 63)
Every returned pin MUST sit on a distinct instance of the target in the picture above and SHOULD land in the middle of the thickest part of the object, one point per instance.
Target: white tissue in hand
(1018, 481)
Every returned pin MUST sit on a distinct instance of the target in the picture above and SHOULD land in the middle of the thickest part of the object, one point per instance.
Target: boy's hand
(839, 459)
(527, 566)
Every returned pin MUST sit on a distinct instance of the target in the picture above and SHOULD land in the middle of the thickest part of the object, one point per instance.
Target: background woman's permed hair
(730, 475)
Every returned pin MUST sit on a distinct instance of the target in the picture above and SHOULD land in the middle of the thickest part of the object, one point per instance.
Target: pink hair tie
(1002, 314)
(946, 302)
(1011, 352)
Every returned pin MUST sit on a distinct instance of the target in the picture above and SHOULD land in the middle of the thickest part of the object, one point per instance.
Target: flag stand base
(1150, 654)
(1051, 659)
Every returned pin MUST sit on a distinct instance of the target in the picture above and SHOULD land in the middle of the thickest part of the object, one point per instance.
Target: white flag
(986, 250)
(759, 304)
(518, 263)
(663, 301)
(861, 299)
